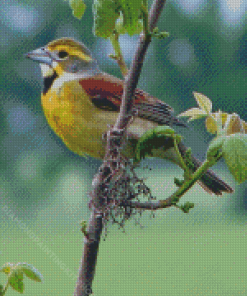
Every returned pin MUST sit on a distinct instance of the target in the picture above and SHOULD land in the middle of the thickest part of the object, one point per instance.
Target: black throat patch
(48, 82)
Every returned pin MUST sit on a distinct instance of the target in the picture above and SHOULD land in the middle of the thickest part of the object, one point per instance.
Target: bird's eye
(62, 54)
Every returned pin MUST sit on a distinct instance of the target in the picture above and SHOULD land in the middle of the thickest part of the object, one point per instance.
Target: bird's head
(65, 56)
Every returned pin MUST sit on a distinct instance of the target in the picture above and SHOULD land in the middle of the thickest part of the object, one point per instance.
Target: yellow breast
(80, 124)
(75, 119)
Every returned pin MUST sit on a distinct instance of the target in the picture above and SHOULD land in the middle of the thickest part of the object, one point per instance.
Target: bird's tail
(210, 182)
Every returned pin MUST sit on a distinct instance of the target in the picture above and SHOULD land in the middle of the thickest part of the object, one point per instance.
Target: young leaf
(203, 102)
(30, 271)
(215, 123)
(214, 146)
(106, 13)
(120, 15)
(244, 126)
(211, 125)
(233, 124)
(152, 139)
(121, 28)
(234, 151)
(193, 113)
(131, 11)
(78, 7)
(187, 206)
(16, 281)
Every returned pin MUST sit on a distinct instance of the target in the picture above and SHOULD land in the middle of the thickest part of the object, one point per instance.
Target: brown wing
(106, 91)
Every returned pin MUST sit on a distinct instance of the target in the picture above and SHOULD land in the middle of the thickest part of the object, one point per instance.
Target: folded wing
(105, 92)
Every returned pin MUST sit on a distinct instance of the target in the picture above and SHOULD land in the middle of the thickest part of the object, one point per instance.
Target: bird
(80, 102)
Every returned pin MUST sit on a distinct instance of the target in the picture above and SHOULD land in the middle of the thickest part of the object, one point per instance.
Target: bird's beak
(40, 55)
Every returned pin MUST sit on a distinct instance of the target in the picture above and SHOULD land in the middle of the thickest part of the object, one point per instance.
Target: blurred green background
(44, 187)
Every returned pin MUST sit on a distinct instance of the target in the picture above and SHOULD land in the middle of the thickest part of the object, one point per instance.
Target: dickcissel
(80, 102)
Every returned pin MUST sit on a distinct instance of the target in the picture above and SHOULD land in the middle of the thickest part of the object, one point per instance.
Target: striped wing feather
(105, 92)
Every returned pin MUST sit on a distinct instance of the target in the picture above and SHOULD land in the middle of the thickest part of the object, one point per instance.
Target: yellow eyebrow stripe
(75, 52)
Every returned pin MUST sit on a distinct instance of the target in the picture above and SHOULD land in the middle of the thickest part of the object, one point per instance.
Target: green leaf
(30, 271)
(203, 102)
(211, 124)
(78, 7)
(131, 11)
(187, 206)
(120, 26)
(214, 147)
(188, 159)
(120, 15)
(16, 281)
(178, 182)
(106, 13)
(152, 139)
(193, 113)
(234, 151)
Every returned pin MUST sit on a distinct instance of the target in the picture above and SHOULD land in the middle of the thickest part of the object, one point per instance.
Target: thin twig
(118, 54)
(174, 198)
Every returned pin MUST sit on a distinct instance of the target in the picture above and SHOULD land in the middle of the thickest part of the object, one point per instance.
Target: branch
(136, 66)
(118, 53)
(106, 171)
(174, 198)
(89, 256)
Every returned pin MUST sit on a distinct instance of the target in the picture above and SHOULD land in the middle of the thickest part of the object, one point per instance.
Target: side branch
(118, 54)
(175, 197)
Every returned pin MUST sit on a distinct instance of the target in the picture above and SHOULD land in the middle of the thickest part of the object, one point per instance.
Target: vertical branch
(132, 78)
(100, 185)
(154, 13)
(89, 256)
